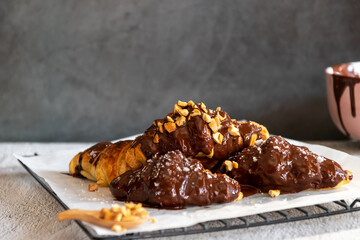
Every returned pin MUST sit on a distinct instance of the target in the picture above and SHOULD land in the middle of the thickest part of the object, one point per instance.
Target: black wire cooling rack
(284, 216)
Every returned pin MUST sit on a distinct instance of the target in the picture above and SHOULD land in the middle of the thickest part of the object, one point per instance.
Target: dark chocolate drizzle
(78, 167)
(339, 86)
(173, 181)
(278, 165)
(342, 79)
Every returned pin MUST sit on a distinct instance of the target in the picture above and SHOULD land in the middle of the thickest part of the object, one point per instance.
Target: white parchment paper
(53, 166)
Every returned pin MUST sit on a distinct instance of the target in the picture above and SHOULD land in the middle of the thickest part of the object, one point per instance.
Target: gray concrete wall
(99, 70)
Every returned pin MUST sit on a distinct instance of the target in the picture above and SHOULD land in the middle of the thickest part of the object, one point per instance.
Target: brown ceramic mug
(343, 95)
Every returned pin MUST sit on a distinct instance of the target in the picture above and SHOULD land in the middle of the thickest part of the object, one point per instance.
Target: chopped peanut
(218, 137)
(206, 118)
(213, 126)
(156, 138)
(180, 121)
(182, 104)
(274, 193)
(195, 112)
(170, 127)
(235, 164)
(93, 187)
(203, 107)
(228, 165)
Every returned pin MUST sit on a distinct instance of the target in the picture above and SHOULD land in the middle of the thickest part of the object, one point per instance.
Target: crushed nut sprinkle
(206, 117)
(182, 104)
(93, 187)
(195, 112)
(203, 107)
(156, 138)
(160, 126)
(218, 137)
(191, 103)
(274, 193)
(253, 139)
(179, 110)
(241, 196)
(234, 131)
(218, 109)
(169, 119)
(213, 126)
(170, 126)
(218, 122)
(228, 165)
(235, 164)
(130, 213)
(180, 121)
(117, 228)
(220, 117)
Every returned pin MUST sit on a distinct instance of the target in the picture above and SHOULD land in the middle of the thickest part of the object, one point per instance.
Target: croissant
(191, 128)
(275, 164)
(173, 181)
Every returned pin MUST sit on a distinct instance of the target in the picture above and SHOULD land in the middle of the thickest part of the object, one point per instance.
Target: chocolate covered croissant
(191, 128)
(275, 164)
(172, 180)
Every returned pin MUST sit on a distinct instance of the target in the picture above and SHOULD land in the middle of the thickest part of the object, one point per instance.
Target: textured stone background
(99, 70)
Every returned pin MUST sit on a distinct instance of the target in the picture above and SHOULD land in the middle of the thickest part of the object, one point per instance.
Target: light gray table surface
(27, 211)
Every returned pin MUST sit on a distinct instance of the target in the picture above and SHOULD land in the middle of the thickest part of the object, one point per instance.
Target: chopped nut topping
(156, 138)
(253, 139)
(235, 164)
(115, 208)
(180, 121)
(93, 187)
(129, 213)
(220, 117)
(191, 103)
(117, 228)
(217, 121)
(182, 104)
(170, 126)
(179, 110)
(241, 195)
(218, 109)
(274, 193)
(214, 127)
(228, 165)
(234, 131)
(160, 126)
(108, 215)
(195, 112)
(210, 155)
(218, 137)
(203, 107)
(169, 119)
(206, 118)
(118, 217)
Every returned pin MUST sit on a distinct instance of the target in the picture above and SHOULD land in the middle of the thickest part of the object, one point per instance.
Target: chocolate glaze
(92, 154)
(344, 77)
(278, 165)
(173, 181)
(195, 136)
